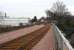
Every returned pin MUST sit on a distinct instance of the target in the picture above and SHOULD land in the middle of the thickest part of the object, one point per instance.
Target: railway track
(25, 42)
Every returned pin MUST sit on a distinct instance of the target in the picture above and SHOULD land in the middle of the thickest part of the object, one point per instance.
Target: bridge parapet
(61, 41)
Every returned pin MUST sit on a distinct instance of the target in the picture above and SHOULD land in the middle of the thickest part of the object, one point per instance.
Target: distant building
(7, 21)
(14, 21)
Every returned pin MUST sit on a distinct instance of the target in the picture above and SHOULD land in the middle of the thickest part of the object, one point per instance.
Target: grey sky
(30, 8)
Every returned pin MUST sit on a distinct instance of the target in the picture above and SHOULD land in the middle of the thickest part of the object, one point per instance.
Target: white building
(14, 21)
(6, 21)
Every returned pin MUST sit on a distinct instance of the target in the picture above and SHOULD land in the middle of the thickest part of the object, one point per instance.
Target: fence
(61, 41)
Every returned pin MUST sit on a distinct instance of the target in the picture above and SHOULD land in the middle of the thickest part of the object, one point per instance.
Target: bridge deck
(38, 37)
(8, 36)
(47, 42)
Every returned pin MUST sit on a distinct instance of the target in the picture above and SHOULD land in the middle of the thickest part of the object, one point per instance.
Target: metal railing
(61, 41)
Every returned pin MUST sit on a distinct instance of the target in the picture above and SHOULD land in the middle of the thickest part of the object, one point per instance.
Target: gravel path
(47, 43)
(8, 36)
(38, 37)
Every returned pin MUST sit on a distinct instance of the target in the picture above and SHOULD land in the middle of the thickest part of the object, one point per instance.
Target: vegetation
(34, 19)
(59, 13)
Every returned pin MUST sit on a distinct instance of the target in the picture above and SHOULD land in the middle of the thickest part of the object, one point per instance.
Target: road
(38, 37)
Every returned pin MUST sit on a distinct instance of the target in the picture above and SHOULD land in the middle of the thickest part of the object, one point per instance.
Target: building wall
(14, 21)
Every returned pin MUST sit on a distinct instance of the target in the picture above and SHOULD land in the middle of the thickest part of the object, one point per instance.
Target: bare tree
(58, 10)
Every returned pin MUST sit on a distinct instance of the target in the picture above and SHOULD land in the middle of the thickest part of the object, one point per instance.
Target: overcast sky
(30, 8)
